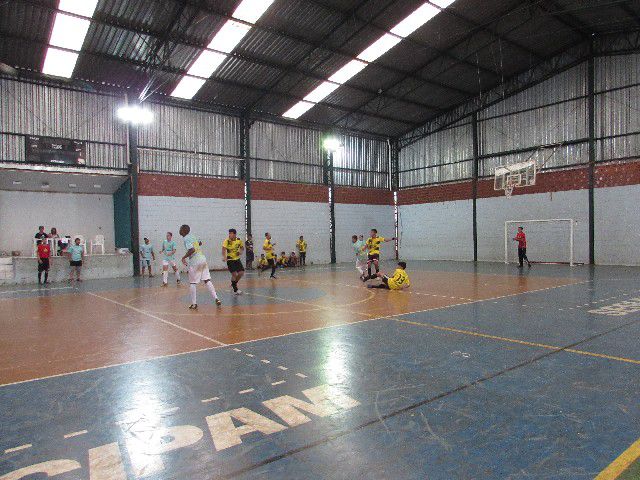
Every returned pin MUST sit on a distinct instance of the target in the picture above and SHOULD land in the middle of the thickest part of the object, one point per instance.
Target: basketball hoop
(508, 190)
(508, 177)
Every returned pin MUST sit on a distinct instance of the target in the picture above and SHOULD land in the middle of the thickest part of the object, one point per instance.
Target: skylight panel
(206, 64)
(251, 10)
(188, 87)
(68, 33)
(229, 36)
(382, 45)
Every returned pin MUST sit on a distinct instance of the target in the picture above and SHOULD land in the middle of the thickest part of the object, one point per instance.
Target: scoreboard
(55, 151)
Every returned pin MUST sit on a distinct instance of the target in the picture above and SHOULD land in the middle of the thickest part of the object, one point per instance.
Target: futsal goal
(548, 240)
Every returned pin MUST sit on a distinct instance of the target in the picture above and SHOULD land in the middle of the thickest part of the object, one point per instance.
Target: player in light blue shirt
(75, 252)
(169, 258)
(360, 250)
(146, 255)
(198, 268)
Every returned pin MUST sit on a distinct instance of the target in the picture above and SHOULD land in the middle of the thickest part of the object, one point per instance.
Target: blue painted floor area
(497, 389)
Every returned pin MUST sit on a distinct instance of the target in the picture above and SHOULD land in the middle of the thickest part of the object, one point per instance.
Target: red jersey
(44, 251)
(521, 238)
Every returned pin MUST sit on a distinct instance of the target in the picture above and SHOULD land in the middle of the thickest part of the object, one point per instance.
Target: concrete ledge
(25, 269)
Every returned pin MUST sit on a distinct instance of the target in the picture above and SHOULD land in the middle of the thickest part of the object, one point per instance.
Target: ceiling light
(59, 63)
(251, 10)
(206, 64)
(379, 47)
(332, 144)
(17, 182)
(321, 91)
(188, 87)
(84, 8)
(72, 185)
(350, 70)
(225, 40)
(97, 186)
(415, 20)
(298, 110)
(135, 114)
(382, 45)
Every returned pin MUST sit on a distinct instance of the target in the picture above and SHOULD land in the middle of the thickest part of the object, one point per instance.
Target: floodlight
(332, 144)
(135, 115)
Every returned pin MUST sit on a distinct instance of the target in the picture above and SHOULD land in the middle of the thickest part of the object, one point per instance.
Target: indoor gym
(445, 125)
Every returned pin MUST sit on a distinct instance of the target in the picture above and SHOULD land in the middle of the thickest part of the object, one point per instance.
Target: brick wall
(154, 185)
(617, 174)
(363, 196)
(293, 192)
(436, 193)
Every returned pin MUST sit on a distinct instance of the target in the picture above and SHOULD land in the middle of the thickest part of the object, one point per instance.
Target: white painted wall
(356, 219)
(437, 231)
(543, 242)
(286, 221)
(70, 213)
(617, 234)
(209, 218)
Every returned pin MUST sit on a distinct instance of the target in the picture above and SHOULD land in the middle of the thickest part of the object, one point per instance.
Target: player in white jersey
(198, 268)
(169, 259)
(360, 249)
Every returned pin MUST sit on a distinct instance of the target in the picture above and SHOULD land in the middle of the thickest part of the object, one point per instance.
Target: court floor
(478, 371)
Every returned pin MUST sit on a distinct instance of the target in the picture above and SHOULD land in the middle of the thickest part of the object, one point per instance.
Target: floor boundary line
(244, 342)
(621, 463)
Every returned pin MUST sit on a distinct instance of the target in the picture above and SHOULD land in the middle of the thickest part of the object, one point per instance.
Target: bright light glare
(347, 72)
(379, 47)
(59, 63)
(442, 3)
(321, 91)
(69, 32)
(415, 20)
(135, 115)
(206, 64)
(298, 110)
(251, 10)
(332, 144)
(188, 87)
(84, 8)
(229, 36)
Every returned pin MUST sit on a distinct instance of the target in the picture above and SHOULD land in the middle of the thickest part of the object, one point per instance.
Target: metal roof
(145, 46)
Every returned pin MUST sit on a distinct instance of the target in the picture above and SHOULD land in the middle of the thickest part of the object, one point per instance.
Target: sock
(273, 270)
(369, 270)
(234, 285)
(46, 276)
(177, 272)
(39, 277)
(212, 289)
(192, 292)
(165, 276)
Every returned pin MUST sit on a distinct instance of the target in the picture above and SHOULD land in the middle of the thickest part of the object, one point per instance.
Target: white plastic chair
(98, 242)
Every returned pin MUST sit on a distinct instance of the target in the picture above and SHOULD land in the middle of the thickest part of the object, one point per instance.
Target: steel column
(592, 151)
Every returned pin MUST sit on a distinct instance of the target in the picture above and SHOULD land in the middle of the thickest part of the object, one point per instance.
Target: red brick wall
(445, 192)
(617, 174)
(155, 185)
(367, 196)
(293, 192)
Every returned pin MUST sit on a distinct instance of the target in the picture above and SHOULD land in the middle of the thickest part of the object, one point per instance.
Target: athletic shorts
(375, 256)
(235, 266)
(43, 265)
(199, 273)
(145, 261)
(166, 263)
(250, 257)
(75, 263)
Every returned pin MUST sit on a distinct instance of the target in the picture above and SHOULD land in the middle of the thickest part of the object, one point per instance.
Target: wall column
(133, 168)
(245, 126)
(592, 151)
(474, 183)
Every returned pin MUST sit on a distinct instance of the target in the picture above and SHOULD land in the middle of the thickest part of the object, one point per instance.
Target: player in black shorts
(232, 248)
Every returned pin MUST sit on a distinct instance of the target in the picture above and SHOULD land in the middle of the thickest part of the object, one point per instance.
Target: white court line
(155, 317)
(248, 390)
(75, 434)
(283, 368)
(289, 334)
(212, 399)
(278, 383)
(17, 449)
(265, 361)
(43, 289)
(301, 375)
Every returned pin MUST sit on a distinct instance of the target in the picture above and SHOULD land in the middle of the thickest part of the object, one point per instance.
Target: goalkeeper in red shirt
(521, 238)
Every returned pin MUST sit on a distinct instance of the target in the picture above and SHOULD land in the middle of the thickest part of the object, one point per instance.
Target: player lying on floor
(399, 280)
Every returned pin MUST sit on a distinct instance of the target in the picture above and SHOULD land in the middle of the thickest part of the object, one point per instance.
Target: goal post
(552, 237)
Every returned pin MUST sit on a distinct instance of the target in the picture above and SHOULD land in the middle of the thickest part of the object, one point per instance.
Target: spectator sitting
(283, 260)
(40, 235)
(262, 262)
(54, 234)
(293, 260)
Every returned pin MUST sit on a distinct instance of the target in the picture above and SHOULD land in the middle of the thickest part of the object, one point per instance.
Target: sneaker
(273, 276)
(529, 264)
(238, 292)
(178, 281)
(218, 302)
(193, 306)
(164, 284)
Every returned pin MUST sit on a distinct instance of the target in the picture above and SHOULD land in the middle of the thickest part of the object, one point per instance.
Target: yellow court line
(520, 342)
(622, 463)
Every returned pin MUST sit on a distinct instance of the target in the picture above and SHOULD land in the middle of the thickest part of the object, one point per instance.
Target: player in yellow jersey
(262, 262)
(232, 248)
(269, 252)
(373, 246)
(399, 280)
(301, 245)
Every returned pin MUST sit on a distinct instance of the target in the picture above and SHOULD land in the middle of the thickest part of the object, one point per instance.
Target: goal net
(548, 240)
